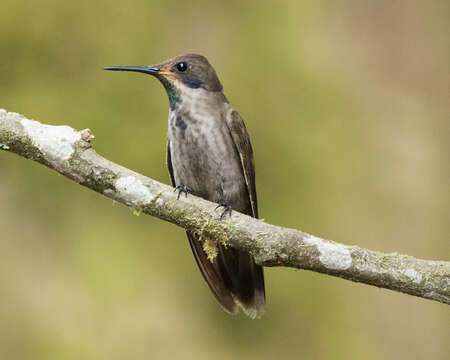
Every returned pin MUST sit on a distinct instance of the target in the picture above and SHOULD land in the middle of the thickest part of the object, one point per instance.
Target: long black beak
(152, 70)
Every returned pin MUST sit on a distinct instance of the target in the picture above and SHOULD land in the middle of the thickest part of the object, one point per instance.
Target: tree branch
(69, 152)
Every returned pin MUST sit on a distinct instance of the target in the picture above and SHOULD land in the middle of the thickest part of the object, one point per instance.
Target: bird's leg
(226, 209)
(182, 189)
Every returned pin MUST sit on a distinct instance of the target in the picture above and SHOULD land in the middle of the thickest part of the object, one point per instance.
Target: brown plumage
(209, 152)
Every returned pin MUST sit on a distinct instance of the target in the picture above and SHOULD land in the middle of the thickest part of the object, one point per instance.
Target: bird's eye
(181, 66)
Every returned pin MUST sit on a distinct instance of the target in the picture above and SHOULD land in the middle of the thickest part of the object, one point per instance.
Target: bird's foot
(226, 209)
(182, 189)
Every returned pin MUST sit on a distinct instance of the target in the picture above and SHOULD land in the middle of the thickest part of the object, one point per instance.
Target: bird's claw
(226, 209)
(182, 189)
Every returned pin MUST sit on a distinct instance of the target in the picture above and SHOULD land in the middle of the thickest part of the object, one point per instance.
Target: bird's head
(181, 74)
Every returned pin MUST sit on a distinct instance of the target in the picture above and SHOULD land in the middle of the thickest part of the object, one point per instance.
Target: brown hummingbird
(209, 155)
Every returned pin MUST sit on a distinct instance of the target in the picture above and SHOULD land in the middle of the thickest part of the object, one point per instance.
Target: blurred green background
(347, 106)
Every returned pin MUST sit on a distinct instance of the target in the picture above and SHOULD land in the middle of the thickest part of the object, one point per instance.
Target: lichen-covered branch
(69, 152)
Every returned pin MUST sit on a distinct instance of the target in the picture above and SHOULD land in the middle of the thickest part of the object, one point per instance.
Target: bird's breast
(203, 155)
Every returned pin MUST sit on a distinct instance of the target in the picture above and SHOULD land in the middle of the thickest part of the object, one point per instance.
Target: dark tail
(233, 277)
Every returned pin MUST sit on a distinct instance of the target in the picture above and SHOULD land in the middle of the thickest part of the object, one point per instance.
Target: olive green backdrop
(347, 106)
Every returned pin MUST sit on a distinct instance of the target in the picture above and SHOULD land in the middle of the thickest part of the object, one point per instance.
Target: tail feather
(250, 293)
(216, 279)
(233, 277)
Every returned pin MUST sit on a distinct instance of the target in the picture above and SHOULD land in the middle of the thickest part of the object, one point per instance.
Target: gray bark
(70, 153)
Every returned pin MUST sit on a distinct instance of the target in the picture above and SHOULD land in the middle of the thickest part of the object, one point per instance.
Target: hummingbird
(209, 154)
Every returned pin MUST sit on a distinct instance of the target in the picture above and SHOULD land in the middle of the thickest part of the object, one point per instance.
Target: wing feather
(241, 140)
